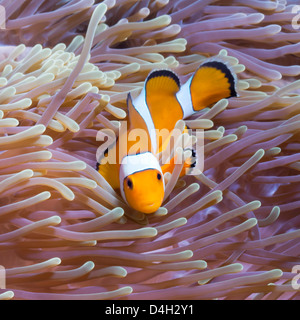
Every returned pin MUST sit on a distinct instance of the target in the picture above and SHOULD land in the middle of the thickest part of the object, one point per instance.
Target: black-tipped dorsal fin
(160, 92)
(165, 81)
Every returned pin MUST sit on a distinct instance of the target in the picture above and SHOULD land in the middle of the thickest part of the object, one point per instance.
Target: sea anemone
(230, 232)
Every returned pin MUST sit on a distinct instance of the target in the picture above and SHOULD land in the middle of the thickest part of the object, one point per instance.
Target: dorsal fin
(162, 80)
(160, 92)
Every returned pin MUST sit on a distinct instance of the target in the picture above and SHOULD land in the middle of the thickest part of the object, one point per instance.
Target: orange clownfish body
(162, 103)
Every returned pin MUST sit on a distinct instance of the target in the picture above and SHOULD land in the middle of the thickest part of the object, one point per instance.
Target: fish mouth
(149, 204)
(150, 207)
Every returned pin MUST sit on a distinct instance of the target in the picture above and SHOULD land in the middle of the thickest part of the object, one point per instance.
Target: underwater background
(231, 232)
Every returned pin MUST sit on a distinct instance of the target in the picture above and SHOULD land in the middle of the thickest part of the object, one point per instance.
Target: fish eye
(159, 176)
(129, 184)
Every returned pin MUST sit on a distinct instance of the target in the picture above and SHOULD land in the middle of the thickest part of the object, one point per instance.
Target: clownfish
(161, 103)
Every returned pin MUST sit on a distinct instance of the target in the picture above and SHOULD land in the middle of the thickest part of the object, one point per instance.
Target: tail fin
(213, 81)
